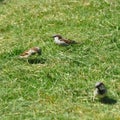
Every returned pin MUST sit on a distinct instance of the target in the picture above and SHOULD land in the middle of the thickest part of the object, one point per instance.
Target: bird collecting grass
(30, 52)
(58, 39)
(100, 90)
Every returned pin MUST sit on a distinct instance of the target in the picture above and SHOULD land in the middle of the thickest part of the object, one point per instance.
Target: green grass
(60, 88)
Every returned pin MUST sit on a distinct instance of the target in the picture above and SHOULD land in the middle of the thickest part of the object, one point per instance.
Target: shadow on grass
(36, 61)
(107, 100)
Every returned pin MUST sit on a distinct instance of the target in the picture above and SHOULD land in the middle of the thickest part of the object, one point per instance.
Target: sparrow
(100, 90)
(58, 39)
(30, 52)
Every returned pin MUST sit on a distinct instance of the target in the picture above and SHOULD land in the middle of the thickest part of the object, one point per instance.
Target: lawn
(60, 86)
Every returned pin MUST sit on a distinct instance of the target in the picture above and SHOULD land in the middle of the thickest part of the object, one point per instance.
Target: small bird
(30, 52)
(100, 90)
(58, 39)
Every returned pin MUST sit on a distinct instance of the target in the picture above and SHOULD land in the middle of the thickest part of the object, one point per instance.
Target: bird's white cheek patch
(58, 41)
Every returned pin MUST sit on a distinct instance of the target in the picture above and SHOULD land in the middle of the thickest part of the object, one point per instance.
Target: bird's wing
(68, 41)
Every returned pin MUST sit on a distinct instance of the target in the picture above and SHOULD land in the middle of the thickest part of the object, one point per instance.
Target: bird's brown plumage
(31, 51)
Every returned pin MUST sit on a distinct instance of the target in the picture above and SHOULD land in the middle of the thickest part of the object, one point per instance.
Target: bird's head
(57, 36)
(39, 52)
(100, 86)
